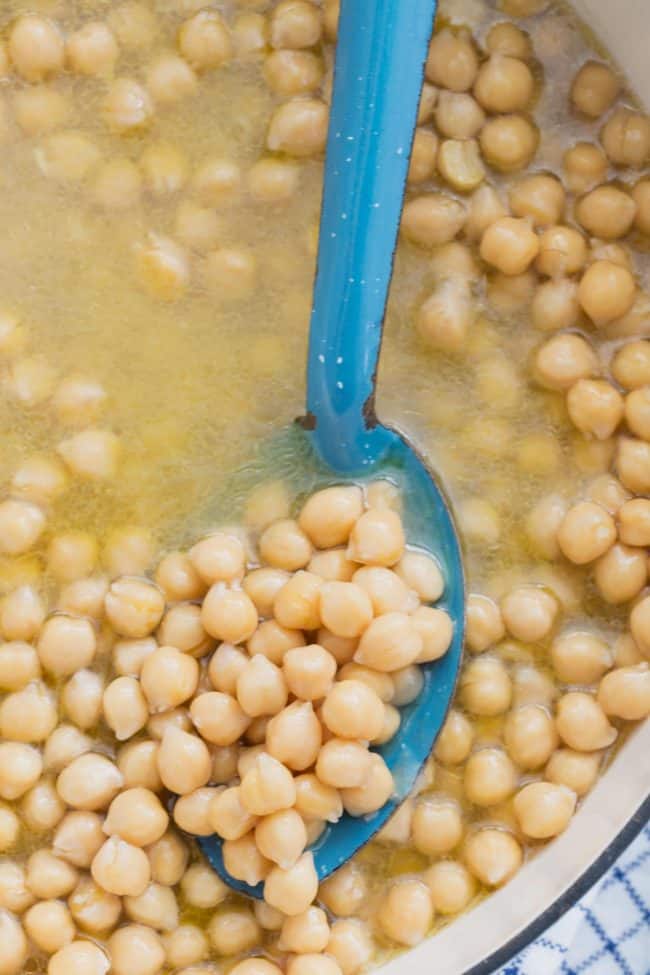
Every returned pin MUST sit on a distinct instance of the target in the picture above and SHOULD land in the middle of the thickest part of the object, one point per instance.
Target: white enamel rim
(487, 937)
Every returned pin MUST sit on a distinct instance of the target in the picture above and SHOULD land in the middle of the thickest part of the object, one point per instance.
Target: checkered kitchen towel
(606, 933)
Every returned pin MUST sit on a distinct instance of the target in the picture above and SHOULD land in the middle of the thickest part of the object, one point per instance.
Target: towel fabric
(606, 933)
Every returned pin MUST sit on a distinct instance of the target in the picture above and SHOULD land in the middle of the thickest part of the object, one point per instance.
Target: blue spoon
(380, 55)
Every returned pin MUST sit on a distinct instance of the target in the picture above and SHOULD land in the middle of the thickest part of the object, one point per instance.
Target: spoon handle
(381, 50)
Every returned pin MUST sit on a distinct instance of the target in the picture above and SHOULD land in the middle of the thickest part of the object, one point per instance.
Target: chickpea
(79, 958)
(625, 137)
(452, 61)
(587, 531)
(250, 34)
(67, 157)
(492, 855)
(350, 943)
(186, 945)
(298, 604)
(134, 606)
(298, 128)
(383, 685)
(490, 777)
(81, 698)
(341, 648)
(233, 931)
(641, 196)
(36, 48)
(625, 692)
(78, 838)
(486, 687)
(314, 800)
(288, 72)
(292, 890)
(41, 808)
(138, 763)
(295, 24)
(305, 933)
(178, 578)
(281, 837)
(261, 688)
(183, 761)
(633, 522)
(164, 168)
(133, 24)
(90, 782)
(121, 868)
(582, 724)
(575, 770)
(294, 736)
(66, 644)
(376, 789)
(137, 817)
(343, 764)
(631, 365)
(21, 614)
(437, 826)
(424, 151)
(544, 809)
(170, 79)
(168, 859)
(580, 657)
(633, 464)
(168, 678)
(509, 245)
(455, 739)
(504, 84)
(228, 815)
(28, 715)
(529, 613)
(540, 197)
(484, 208)
(451, 885)
(156, 907)
(127, 107)
(563, 360)
(389, 643)
(49, 925)
(508, 142)
(507, 38)
(484, 623)
(92, 49)
(39, 479)
(273, 180)
(21, 525)
(406, 912)
(595, 407)
(432, 219)
(637, 412)
(309, 672)
(15, 896)
(595, 88)
(64, 744)
(445, 318)
(135, 950)
(202, 888)
(621, 573)
(562, 250)
(458, 115)
(606, 212)
(345, 890)
(204, 41)
(48, 877)
(529, 736)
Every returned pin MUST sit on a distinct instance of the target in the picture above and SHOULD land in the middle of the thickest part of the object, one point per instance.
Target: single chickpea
(529, 736)
(168, 678)
(625, 692)
(437, 826)
(389, 643)
(486, 687)
(79, 958)
(250, 34)
(293, 890)
(185, 945)
(28, 715)
(281, 837)
(452, 61)
(66, 644)
(178, 578)
(39, 479)
(90, 782)
(305, 933)
(563, 360)
(351, 944)
(41, 808)
(587, 531)
(309, 671)
(289, 72)
(295, 24)
(294, 736)
(585, 166)
(127, 106)
(21, 525)
(204, 41)
(229, 614)
(594, 89)
(261, 688)
(298, 605)
(170, 79)
(181, 627)
(168, 859)
(580, 657)
(138, 763)
(298, 128)
(621, 573)
(134, 25)
(135, 950)
(345, 890)
(582, 724)
(562, 250)
(508, 142)
(67, 157)
(49, 925)
(21, 614)
(387, 591)
(216, 181)
(117, 185)
(485, 207)
(455, 739)
(606, 212)
(40, 109)
(595, 407)
(78, 838)
(634, 522)
(134, 606)
(383, 685)
(273, 180)
(529, 613)
(164, 168)
(445, 318)
(540, 197)
(633, 464)
(641, 196)
(626, 652)
(15, 896)
(510, 245)
(637, 412)
(490, 777)
(314, 800)
(228, 815)
(406, 912)
(81, 698)
(136, 816)
(484, 623)
(458, 115)
(183, 761)
(120, 868)
(342, 648)
(492, 855)
(504, 84)
(606, 292)
(345, 608)
(156, 908)
(436, 630)
(192, 812)
(544, 809)
(631, 364)
(625, 137)
(432, 219)
(451, 885)
(128, 551)
(343, 764)
(329, 515)
(162, 268)
(460, 165)
(201, 887)
(64, 744)
(506, 38)
(576, 770)
(48, 877)
(424, 151)
(92, 49)
(36, 48)
(244, 861)
(19, 665)
(376, 789)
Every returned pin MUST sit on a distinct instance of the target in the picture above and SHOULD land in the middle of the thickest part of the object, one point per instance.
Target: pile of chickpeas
(239, 686)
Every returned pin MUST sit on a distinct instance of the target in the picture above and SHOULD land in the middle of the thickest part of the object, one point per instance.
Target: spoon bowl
(381, 52)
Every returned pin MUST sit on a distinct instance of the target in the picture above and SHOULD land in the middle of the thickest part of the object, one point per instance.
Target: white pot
(483, 939)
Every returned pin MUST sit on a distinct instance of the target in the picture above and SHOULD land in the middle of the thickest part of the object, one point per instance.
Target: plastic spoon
(381, 50)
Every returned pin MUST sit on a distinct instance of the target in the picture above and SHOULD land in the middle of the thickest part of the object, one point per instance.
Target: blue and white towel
(606, 933)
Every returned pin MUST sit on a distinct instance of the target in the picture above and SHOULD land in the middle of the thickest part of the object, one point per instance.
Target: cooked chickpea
(168, 859)
(563, 360)
(170, 79)
(509, 245)
(292, 890)
(273, 180)
(36, 48)
(186, 945)
(458, 115)
(243, 860)
(376, 789)
(156, 908)
(41, 808)
(295, 24)
(606, 292)
(504, 84)
(298, 128)
(421, 573)
(261, 689)
(28, 715)
(309, 671)
(343, 764)
(582, 724)
(484, 623)
(625, 692)
(544, 809)
(39, 479)
(49, 925)
(89, 782)
(21, 615)
(587, 531)
(201, 887)
(137, 817)
(294, 736)
(134, 606)
(162, 268)
(445, 318)
(406, 912)
(66, 644)
(490, 777)
(486, 687)
(641, 196)
(81, 698)
(634, 522)
(92, 49)
(297, 604)
(637, 412)
(594, 89)
(575, 770)
(128, 551)
(436, 630)
(14, 893)
(281, 837)
(64, 744)
(595, 407)
(437, 826)
(350, 943)
(432, 219)
(562, 250)
(289, 72)
(606, 212)
(539, 197)
(48, 877)
(183, 761)
(508, 142)
(455, 739)
(21, 526)
(135, 950)
(506, 38)
(452, 61)
(580, 657)
(305, 933)
(621, 573)
(78, 838)
(342, 648)
(625, 137)
(204, 41)
(127, 106)
(631, 364)
(315, 800)
(168, 678)
(138, 763)
(389, 643)
(493, 856)
(451, 885)
(79, 958)
(633, 464)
